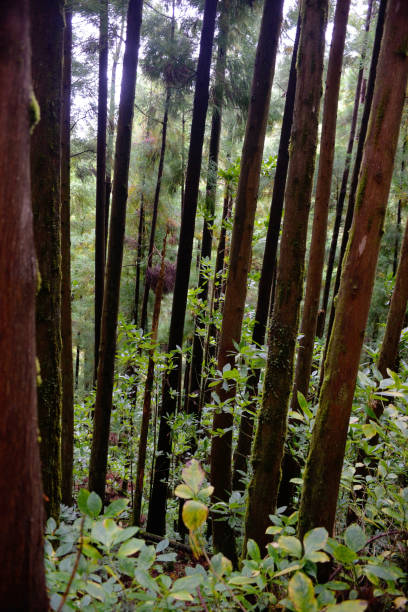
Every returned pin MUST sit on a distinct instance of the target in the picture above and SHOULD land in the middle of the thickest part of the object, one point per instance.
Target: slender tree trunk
(67, 438)
(101, 175)
(325, 460)
(344, 180)
(241, 245)
(47, 27)
(78, 353)
(196, 363)
(22, 584)
(398, 228)
(103, 402)
(147, 401)
(244, 443)
(356, 169)
(139, 260)
(271, 432)
(143, 316)
(321, 207)
(157, 507)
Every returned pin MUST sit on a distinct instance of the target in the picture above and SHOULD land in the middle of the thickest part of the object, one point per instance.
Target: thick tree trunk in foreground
(157, 507)
(270, 436)
(344, 181)
(104, 389)
(321, 207)
(101, 175)
(67, 437)
(47, 26)
(22, 584)
(244, 443)
(239, 262)
(325, 460)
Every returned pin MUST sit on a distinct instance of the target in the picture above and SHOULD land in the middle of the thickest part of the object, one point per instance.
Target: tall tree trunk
(244, 443)
(194, 383)
(344, 180)
(47, 27)
(147, 400)
(356, 169)
(138, 260)
(157, 506)
(271, 431)
(398, 228)
(321, 207)
(325, 460)
(67, 438)
(239, 262)
(22, 584)
(143, 316)
(101, 175)
(104, 389)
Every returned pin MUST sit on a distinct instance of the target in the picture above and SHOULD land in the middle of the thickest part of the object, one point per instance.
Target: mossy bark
(240, 255)
(325, 460)
(67, 369)
(47, 27)
(104, 389)
(271, 431)
(157, 507)
(243, 449)
(22, 583)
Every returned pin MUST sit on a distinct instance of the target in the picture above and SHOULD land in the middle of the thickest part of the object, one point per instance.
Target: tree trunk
(157, 507)
(239, 261)
(47, 27)
(325, 460)
(67, 438)
(147, 400)
(356, 169)
(103, 401)
(143, 316)
(196, 363)
(244, 443)
(321, 207)
(101, 175)
(139, 260)
(344, 180)
(270, 436)
(22, 584)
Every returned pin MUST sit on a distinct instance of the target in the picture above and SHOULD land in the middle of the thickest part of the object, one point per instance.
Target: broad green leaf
(91, 551)
(184, 491)
(220, 564)
(116, 507)
(130, 547)
(303, 405)
(82, 499)
(182, 596)
(94, 504)
(344, 554)
(291, 568)
(207, 491)
(95, 590)
(301, 593)
(242, 580)
(51, 525)
(369, 430)
(146, 581)
(193, 475)
(383, 572)
(355, 538)
(187, 583)
(120, 535)
(317, 556)
(162, 545)
(253, 550)
(194, 514)
(356, 605)
(337, 585)
(315, 540)
(291, 545)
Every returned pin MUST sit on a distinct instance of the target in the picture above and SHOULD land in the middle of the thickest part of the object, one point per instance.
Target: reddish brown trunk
(22, 583)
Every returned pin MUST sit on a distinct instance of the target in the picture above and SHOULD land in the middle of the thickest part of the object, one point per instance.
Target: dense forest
(203, 305)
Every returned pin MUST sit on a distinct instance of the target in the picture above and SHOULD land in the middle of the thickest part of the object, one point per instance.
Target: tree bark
(239, 261)
(67, 437)
(157, 506)
(321, 207)
(22, 584)
(47, 27)
(104, 390)
(325, 460)
(271, 431)
(101, 175)
(138, 259)
(244, 443)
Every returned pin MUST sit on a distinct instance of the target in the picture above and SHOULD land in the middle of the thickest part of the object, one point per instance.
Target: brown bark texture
(22, 583)
(271, 431)
(321, 206)
(67, 369)
(156, 521)
(239, 261)
(47, 26)
(104, 389)
(325, 460)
